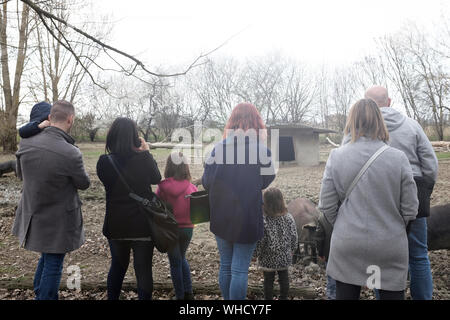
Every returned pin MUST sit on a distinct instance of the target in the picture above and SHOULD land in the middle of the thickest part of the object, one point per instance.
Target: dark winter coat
(124, 219)
(48, 217)
(235, 190)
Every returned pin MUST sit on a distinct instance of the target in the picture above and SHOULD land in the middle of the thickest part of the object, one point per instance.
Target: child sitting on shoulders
(38, 120)
(173, 189)
(275, 250)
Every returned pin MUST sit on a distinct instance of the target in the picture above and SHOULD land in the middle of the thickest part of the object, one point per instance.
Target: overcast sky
(172, 32)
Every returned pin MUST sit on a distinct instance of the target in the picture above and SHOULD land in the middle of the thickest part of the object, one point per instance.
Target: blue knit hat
(40, 112)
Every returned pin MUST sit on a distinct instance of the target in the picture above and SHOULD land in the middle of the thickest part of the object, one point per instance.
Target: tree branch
(138, 63)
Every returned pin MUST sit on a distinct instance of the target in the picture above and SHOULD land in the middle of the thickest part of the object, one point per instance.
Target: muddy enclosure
(17, 265)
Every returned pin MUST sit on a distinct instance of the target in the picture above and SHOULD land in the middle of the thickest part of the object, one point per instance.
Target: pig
(8, 166)
(438, 227)
(306, 218)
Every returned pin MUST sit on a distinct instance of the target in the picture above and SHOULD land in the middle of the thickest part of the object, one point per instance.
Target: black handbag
(162, 223)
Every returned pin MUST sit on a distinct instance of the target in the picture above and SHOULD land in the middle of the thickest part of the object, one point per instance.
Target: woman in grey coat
(369, 244)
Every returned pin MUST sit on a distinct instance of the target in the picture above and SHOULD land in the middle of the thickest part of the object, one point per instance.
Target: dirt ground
(17, 264)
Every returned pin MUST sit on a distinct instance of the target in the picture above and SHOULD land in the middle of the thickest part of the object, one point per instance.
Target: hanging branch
(66, 45)
(138, 63)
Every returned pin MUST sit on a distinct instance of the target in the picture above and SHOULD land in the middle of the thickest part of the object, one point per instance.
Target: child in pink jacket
(173, 190)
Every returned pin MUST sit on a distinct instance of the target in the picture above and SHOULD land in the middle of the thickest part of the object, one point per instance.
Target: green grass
(99, 149)
(93, 154)
(160, 153)
(443, 155)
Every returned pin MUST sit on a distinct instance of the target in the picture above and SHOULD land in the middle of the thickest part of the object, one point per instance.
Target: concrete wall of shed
(306, 147)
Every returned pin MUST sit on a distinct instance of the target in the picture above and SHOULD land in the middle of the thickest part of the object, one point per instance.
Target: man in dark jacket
(48, 218)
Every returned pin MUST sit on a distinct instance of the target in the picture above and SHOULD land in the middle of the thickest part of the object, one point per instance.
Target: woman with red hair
(237, 171)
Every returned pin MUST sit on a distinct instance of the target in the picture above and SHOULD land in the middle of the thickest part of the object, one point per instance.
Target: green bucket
(199, 207)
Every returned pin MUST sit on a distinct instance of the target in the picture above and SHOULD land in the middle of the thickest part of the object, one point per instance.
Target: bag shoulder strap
(364, 168)
(119, 173)
(131, 194)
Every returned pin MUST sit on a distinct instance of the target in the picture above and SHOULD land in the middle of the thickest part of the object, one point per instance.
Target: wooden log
(169, 145)
(198, 287)
(441, 146)
(332, 143)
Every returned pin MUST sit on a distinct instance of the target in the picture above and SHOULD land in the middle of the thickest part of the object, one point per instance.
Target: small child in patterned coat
(275, 250)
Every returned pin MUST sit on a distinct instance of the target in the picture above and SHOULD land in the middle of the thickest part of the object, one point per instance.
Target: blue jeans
(48, 276)
(234, 263)
(120, 258)
(331, 288)
(421, 281)
(179, 266)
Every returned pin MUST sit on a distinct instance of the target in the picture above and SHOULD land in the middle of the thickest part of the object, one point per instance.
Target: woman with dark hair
(369, 244)
(239, 168)
(125, 225)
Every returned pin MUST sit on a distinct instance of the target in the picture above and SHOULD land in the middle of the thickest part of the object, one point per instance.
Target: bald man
(408, 136)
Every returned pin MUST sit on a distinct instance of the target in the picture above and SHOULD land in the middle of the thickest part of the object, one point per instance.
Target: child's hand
(197, 182)
(44, 124)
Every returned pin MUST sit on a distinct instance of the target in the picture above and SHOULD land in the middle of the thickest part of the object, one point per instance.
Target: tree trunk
(93, 133)
(12, 94)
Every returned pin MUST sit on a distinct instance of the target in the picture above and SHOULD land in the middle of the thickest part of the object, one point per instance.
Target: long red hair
(245, 116)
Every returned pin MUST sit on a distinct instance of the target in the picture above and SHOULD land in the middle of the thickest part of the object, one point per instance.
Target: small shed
(297, 144)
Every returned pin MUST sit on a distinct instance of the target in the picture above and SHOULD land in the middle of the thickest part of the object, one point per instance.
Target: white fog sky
(174, 32)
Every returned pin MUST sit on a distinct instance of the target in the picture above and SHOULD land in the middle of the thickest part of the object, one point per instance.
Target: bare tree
(215, 88)
(11, 91)
(399, 69)
(323, 97)
(261, 84)
(420, 73)
(344, 93)
(298, 95)
(433, 75)
(62, 76)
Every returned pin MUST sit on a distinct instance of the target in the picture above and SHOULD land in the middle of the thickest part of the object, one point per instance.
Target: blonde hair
(365, 120)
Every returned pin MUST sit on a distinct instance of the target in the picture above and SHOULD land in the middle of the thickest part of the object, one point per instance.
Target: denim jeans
(48, 276)
(234, 263)
(283, 280)
(331, 288)
(120, 258)
(179, 266)
(421, 281)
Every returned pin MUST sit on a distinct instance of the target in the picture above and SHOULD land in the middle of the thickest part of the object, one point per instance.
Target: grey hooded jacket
(407, 135)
